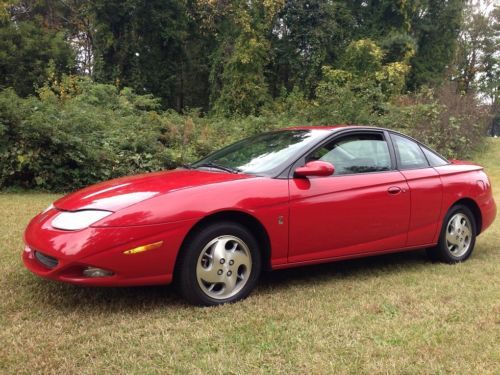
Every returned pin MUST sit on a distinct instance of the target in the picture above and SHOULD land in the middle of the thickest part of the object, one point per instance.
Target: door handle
(394, 190)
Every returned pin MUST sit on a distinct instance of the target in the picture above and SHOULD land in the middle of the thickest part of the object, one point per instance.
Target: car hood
(122, 192)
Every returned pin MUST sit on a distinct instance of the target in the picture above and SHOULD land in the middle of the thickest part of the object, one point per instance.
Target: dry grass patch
(387, 314)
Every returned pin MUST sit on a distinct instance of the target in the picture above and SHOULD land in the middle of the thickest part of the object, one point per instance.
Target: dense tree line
(232, 57)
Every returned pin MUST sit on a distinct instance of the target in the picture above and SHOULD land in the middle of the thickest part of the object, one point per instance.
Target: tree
(153, 47)
(71, 18)
(306, 35)
(489, 83)
(435, 26)
(476, 37)
(237, 77)
(27, 52)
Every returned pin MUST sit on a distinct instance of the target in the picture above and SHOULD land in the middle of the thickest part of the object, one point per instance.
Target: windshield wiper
(211, 164)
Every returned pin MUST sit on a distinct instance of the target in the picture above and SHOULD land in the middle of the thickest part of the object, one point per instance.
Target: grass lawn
(388, 314)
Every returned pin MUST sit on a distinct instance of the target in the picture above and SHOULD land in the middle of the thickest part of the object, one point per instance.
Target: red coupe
(281, 199)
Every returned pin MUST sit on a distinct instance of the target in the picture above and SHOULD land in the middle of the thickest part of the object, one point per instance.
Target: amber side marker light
(143, 248)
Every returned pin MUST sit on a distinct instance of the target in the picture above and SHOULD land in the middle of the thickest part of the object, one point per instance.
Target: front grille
(46, 260)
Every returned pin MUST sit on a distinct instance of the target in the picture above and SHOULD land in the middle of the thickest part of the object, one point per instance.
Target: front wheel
(221, 263)
(457, 237)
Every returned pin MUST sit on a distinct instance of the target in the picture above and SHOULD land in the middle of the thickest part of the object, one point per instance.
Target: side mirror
(315, 168)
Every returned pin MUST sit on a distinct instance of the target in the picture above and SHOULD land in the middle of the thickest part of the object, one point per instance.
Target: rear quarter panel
(462, 181)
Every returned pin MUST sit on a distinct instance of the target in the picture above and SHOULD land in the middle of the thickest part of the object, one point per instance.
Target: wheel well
(248, 221)
(472, 205)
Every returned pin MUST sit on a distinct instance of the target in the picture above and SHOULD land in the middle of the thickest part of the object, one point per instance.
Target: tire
(220, 263)
(457, 238)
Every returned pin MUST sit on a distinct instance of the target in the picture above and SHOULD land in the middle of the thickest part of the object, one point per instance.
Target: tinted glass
(358, 153)
(409, 153)
(434, 159)
(264, 153)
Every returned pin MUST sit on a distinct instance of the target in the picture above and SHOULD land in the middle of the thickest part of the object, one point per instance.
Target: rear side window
(409, 153)
(357, 153)
(434, 159)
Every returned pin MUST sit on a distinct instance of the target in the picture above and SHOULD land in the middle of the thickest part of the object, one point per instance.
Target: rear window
(434, 159)
(409, 153)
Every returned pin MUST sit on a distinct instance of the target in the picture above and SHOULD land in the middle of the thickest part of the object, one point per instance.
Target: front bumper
(63, 255)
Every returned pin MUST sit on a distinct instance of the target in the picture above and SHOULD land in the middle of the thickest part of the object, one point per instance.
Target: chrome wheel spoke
(451, 238)
(220, 250)
(230, 283)
(466, 232)
(456, 223)
(208, 275)
(240, 259)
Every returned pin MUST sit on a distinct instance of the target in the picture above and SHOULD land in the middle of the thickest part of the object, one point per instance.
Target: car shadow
(69, 298)
(371, 266)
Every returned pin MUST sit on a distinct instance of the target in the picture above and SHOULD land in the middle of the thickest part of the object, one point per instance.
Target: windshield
(263, 154)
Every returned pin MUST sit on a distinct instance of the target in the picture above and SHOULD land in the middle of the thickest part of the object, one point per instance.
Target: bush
(56, 142)
(76, 132)
(453, 124)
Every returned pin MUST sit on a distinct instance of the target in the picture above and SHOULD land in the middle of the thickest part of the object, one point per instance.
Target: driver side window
(356, 153)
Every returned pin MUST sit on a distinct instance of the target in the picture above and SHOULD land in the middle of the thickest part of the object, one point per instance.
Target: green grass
(387, 314)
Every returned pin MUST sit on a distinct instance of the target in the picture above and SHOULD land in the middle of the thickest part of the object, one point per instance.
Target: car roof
(346, 127)
(319, 127)
(333, 128)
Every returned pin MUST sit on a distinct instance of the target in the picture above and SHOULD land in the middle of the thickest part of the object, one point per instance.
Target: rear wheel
(457, 237)
(221, 263)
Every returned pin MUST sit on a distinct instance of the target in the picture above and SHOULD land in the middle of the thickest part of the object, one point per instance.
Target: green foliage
(307, 35)
(60, 143)
(360, 90)
(452, 124)
(181, 78)
(362, 57)
(232, 57)
(153, 47)
(488, 69)
(244, 90)
(237, 75)
(345, 98)
(397, 47)
(436, 28)
(26, 52)
(77, 132)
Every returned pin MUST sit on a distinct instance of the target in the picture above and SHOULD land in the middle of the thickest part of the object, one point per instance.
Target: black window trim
(289, 172)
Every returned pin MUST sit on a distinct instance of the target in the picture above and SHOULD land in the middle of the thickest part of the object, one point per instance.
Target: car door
(363, 207)
(426, 190)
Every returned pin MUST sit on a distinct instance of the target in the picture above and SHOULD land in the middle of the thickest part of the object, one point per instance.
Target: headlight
(78, 219)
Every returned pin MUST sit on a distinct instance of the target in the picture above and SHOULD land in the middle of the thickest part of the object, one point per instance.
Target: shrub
(57, 142)
(453, 124)
(76, 132)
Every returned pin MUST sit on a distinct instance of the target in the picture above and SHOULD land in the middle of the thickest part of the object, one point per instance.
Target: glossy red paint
(315, 168)
(307, 220)
(117, 194)
(426, 196)
(347, 215)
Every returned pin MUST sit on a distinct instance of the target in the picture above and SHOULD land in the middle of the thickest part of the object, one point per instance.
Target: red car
(281, 199)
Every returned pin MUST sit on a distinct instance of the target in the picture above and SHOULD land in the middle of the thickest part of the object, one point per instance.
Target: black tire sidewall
(188, 282)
